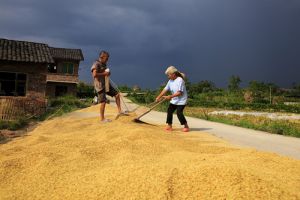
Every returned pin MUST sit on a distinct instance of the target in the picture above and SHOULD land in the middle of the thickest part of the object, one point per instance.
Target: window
(52, 68)
(12, 84)
(68, 68)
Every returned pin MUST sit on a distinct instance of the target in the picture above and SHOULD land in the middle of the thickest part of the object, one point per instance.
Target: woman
(178, 97)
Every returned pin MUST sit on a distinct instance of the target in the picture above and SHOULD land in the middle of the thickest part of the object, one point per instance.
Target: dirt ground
(76, 157)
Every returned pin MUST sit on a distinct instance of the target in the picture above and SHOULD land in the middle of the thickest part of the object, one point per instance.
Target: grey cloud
(207, 39)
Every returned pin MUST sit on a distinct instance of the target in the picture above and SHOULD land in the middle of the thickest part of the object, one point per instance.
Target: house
(62, 76)
(30, 71)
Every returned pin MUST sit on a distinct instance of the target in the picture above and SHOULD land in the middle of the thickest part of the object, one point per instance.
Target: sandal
(123, 114)
(106, 121)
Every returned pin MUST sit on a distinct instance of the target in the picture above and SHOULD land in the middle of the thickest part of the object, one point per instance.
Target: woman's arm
(177, 94)
(163, 92)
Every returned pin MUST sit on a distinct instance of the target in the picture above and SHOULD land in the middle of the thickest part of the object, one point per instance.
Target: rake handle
(155, 105)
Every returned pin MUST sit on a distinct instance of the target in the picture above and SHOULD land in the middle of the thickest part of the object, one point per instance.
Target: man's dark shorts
(102, 94)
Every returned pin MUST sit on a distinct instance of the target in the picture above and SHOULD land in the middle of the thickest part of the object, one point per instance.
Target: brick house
(62, 76)
(26, 76)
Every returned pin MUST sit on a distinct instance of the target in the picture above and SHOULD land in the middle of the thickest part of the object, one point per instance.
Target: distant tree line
(258, 95)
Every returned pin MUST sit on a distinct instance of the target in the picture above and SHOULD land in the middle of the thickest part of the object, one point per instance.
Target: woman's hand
(157, 99)
(169, 97)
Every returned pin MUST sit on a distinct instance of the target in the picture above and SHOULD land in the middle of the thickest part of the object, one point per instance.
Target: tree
(124, 88)
(248, 96)
(262, 92)
(297, 87)
(85, 90)
(204, 86)
(234, 83)
(200, 87)
(188, 84)
(296, 90)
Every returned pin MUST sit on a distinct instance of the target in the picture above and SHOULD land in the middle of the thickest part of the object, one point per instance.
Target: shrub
(85, 90)
(14, 125)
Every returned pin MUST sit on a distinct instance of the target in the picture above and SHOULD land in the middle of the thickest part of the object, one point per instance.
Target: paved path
(283, 145)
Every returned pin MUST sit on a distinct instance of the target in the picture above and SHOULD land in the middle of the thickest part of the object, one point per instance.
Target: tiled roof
(66, 54)
(24, 51)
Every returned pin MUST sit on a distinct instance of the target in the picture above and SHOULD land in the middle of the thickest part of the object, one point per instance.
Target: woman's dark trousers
(180, 115)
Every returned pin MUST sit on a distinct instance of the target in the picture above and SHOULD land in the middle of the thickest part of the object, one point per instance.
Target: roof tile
(24, 51)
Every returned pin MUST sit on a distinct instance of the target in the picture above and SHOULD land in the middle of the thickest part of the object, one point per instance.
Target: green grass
(229, 102)
(63, 105)
(2, 138)
(14, 125)
(281, 127)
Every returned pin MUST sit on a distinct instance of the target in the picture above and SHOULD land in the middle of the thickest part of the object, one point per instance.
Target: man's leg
(102, 100)
(118, 102)
(102, 110)
(113, 93)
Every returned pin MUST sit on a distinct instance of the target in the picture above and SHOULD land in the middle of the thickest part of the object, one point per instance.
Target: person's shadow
(200, 129)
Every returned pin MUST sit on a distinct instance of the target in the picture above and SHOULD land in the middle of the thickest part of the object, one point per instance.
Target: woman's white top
(174, 86)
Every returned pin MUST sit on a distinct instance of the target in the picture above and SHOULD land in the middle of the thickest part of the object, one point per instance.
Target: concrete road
(283, 145)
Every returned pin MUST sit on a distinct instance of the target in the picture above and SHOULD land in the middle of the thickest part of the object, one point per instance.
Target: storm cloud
(206, 39)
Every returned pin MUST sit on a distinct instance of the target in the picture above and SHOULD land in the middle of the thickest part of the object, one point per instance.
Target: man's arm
(95, 74)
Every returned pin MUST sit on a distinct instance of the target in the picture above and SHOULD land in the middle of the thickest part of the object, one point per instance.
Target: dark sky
(206, 39)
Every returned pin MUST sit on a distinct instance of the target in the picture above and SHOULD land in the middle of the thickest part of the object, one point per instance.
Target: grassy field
(281, 127)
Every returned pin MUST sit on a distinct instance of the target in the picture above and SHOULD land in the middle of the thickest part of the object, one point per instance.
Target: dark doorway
(61, 90)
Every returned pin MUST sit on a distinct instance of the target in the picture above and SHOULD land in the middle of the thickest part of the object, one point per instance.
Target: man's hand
(106, 73)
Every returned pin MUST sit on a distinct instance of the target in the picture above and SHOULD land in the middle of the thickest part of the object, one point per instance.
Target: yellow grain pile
(76, 157)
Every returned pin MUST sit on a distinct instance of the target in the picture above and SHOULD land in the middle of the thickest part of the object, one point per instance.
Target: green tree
(203, 87)
(85, 90)
(124, 88)
(262, 91)
(188, 86)
(296, 87)
(234, 83)
(295, 90)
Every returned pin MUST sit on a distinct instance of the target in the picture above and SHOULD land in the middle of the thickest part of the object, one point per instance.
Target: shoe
(185, 130)
(168, 129)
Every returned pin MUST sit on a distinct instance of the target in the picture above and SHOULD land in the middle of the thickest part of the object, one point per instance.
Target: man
(101, 74)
